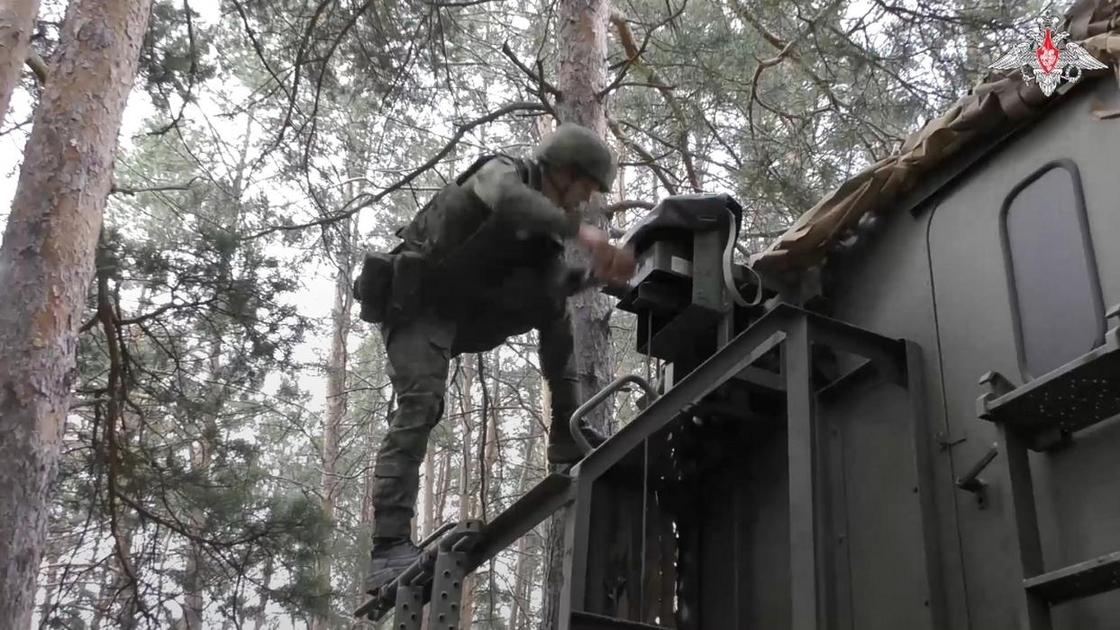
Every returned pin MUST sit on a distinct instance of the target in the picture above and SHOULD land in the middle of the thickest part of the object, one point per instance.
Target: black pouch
(411, 284)
(374, 286)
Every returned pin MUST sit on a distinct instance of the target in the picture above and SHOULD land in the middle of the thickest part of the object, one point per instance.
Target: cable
(728, 280)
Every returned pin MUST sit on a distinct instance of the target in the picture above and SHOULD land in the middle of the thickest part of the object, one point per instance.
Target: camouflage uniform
(504, 280)
(483, 261)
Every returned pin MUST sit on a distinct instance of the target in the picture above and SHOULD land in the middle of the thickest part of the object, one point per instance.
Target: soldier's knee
(424, 403)
(387, 474)
(421, 409)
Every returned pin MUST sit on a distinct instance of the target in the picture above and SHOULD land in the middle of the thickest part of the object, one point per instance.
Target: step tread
(1075, 396)
(1083, 579)
(483, 543)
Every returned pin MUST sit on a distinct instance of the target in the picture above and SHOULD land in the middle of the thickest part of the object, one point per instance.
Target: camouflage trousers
(419, 354)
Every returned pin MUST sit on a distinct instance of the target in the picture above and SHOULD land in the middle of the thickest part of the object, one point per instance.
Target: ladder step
(1075, 396)
(476, 543)
(591, 621)
(463, 537)
(1083, 579)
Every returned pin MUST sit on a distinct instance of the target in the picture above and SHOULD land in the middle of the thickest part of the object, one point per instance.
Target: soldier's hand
(609, 263)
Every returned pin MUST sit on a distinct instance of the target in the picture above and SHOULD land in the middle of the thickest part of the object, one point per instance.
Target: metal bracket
(997, 385)
(1113, 313)
(971, 481)
(944, 442)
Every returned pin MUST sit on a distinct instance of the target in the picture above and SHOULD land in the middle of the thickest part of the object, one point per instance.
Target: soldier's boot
(387, 560)
(562, 447)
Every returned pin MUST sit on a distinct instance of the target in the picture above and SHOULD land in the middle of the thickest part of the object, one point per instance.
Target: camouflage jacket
(493, 254)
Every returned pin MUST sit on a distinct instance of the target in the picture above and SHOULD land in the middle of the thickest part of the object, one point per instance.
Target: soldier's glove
(576, 279)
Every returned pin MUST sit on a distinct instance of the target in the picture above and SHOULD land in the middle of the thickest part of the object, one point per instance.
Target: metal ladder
(436, 577)
(1041, 416)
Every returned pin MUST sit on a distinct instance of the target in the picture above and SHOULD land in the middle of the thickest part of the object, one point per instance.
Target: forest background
(215, 463)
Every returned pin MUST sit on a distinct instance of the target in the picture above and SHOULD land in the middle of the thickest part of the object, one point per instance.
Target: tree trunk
(523, 569)
(17, 18)
(466, 412)
(553, 554)
(125, 587)
(101, 605)
(444, 484)
(582, 50)
(336, 404)
(429, 493)
(46, 263)
(51, 559)
(582, 38)
(193, 602)
(489, 475)
(202, 452)
(372, 440)
(466, 407)
(261, 616)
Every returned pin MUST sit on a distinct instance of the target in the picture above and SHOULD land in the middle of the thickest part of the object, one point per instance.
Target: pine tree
(46, 264)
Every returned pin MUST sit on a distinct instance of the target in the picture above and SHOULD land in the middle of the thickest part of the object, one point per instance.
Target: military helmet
(576, 146)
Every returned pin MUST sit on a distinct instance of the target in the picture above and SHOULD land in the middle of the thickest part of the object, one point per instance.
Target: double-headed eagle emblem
(1048, 58)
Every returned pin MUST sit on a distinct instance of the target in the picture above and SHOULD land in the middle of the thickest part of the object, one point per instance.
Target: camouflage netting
(992, 108)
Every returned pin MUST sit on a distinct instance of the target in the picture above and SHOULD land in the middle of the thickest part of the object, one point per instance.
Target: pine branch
(626, 36)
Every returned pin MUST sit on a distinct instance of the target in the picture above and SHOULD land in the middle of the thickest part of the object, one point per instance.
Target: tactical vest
(452, 217)
(456, 259)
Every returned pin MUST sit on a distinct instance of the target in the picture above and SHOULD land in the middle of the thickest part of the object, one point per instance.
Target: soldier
(482, 262)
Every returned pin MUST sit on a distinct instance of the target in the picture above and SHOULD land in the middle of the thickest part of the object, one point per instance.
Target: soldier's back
(494, 279)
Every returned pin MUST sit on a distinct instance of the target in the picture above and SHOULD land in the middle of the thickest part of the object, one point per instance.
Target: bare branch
(120, 190)
(658, 170)
(626, 36)
(365, 200)
(38, 66)
(539, 79)
(621, 206)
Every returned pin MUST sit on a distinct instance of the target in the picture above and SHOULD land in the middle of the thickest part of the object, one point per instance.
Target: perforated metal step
(1081, 393)
(1083, 579)
(419, 576)
(473, 543)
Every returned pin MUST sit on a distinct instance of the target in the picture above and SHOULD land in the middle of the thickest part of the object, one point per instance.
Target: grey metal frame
(794, 330)
(1041, 589)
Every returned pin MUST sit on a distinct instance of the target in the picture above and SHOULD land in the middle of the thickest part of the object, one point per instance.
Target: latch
(971, 481)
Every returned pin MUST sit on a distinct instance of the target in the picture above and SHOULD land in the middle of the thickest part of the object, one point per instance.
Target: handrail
(594, 401)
